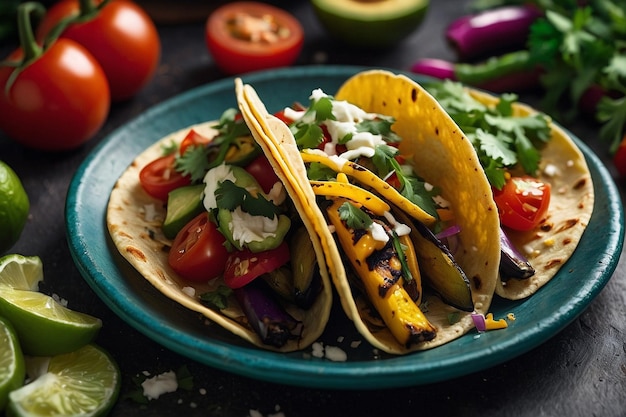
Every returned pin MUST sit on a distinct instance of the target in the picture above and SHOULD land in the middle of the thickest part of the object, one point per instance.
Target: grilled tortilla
(443, 156)
(134, 222)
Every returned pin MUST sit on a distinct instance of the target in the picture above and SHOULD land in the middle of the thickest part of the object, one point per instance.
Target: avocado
(183, 204)
(370, 23)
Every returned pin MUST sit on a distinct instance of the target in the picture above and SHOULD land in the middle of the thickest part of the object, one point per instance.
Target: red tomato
(523, 202)
(244, 266)
(121, 36)
(159, 177)
(249, 36)
(57, 102)
(198, 252)
(263, 172)
(193, 138)
(619, 158)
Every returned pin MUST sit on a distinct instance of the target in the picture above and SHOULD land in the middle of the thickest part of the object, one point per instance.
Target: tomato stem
(29, 45)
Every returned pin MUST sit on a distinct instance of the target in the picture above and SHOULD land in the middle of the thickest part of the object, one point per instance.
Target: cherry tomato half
(198, 252)
(159, 177)
(261, 169)
(249, 36)
(193, 138)
(121, 36)
(244, 266)
(523, 202)
(57, 102)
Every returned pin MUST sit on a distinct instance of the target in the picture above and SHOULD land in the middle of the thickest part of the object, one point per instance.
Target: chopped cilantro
(307, 130)
(229, 196)
(354, 217)
(500, 138)
(197, 160)
(380, 126)
(217, 299)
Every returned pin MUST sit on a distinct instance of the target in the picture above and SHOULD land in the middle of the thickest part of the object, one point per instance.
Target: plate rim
(260, 364)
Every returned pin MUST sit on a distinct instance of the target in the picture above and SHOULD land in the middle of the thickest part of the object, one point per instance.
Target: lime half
(45, 327)
(11, 362)
(14, 207)
(21, 272)
(82, 383)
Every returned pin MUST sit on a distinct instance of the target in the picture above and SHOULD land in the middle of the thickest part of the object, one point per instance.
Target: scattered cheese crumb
(158, 385)
(491, 324)
(510, 316)
(355, 344)
(336, 354)
(190, 291)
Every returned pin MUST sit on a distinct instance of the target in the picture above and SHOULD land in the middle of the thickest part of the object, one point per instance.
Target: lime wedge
(11, 362)
(82, 383)
(43, 326)
(21, 272)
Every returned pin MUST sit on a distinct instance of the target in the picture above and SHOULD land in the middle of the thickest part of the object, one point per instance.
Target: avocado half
(370, 23)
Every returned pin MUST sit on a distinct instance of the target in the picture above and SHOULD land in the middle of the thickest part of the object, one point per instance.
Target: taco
(546, 200)
(364, 185)
(266, 279)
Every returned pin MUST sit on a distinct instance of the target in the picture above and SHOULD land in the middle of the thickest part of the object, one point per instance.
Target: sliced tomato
(159, 177)
(244, 266)
(193, 138)
(261, 169)
(523, 202)
(249, 36)
(198, 252)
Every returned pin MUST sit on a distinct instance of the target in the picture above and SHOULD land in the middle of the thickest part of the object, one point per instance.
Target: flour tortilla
(134, 222)
(443, 156)
(552, 242)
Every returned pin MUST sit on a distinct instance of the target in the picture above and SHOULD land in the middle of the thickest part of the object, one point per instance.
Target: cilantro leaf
(307, 130)
(354, 217)
(379, 126)
(194, 162)
(229, 196)
(217, 299)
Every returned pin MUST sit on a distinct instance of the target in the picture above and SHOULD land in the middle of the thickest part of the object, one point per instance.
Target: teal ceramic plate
(133, 299)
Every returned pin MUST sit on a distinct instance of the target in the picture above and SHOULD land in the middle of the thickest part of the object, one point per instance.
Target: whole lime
(14, 207)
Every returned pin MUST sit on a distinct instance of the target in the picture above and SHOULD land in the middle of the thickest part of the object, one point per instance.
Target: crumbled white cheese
(551, 170)
(401, 229)
(190, 291)
(335, 354)
(213, 178)
(378, 232)
(247, 228)
(158, 385)
(277, 194)
(149, 212)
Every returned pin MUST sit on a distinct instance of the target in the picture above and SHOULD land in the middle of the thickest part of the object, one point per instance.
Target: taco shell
(443, 156)
(553, 241)
(134, 222)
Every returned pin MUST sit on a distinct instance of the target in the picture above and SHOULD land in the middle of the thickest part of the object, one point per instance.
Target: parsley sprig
(307, 130)
(501, 139)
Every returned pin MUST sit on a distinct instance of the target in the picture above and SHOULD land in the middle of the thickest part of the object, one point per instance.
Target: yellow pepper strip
(369, 179)
(491, 324)
(403, 317)
(352, 192)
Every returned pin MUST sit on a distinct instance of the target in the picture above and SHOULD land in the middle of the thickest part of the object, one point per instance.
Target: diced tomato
(159, 177)
(244, 266)
(261, 169)
(198, 252)
(193, 138)
(523, 202)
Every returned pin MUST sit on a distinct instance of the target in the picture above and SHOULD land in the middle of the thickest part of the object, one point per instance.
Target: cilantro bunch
(502, 140)
(581, 50)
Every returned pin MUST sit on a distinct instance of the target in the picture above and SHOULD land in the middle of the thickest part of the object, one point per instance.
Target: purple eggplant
(265, 314)
(492, 31)
(512, 263)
